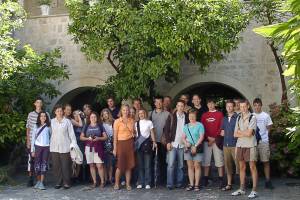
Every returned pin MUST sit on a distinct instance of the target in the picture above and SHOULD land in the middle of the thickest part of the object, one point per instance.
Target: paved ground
(285, 189)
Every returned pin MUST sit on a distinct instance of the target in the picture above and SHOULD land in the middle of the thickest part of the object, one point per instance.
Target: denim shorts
(197, 157)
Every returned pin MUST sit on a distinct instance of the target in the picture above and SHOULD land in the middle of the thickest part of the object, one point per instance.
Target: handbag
(143, 144)
(199, 148)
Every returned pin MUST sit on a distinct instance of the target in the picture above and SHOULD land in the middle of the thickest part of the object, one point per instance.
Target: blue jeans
(144, 168)
(175, 162)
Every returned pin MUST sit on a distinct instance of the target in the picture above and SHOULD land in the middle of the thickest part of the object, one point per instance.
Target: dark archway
(218, 91)
(80, 96)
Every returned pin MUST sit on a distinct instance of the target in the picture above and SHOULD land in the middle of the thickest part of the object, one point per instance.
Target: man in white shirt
(264, 123)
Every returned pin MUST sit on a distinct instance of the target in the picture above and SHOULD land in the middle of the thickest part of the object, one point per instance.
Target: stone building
(250, 71)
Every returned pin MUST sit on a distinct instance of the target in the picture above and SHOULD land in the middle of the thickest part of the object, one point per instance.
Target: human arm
(153, 138)
(115, 138)
(102, 138)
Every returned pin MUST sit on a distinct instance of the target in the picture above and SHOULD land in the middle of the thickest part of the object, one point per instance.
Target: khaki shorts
(92, 156)
(246, 154)
(229, 159)
(264, 152)
(218, 155)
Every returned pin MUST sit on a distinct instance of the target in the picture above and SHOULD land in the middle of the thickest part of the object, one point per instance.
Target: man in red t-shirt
(212, 121)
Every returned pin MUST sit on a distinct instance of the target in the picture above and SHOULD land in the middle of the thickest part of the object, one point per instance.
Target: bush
(284, 143)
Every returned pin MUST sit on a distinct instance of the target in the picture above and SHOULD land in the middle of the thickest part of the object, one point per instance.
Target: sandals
(227, 188)
(129, 188)
(102, 185)
(116, 187)
(189, 188)
(196, 188)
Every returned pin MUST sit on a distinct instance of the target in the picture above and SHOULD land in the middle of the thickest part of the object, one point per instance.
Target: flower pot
(45, 9)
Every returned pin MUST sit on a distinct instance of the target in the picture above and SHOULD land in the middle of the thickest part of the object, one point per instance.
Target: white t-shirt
(263, 120)
(178, 142)
(145, 127)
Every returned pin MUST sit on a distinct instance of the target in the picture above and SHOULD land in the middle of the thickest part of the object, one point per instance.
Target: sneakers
(41, 186)
(30, 182)
(148, 187)
(37, 185)
(268, 185)
(252, 195)
(139, 187)
(123, 183)
(238, 192)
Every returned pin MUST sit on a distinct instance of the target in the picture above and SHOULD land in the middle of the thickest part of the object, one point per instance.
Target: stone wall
(250, 69)
(46, 33)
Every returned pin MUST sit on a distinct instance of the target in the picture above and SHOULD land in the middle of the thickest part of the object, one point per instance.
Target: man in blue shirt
(228, 126)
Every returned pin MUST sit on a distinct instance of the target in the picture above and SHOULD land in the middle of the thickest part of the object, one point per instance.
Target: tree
(269, 12)
(287, 34)
(147, 39)
(25, 74)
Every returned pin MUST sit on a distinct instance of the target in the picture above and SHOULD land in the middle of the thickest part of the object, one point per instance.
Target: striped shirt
(31, 121)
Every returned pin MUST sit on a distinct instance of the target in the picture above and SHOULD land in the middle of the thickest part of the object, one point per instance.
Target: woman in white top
(40, 142)
(145, 133)
(62, 140)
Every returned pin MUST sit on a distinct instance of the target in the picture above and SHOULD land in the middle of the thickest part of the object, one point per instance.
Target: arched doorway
(217, 91)
(80, 96)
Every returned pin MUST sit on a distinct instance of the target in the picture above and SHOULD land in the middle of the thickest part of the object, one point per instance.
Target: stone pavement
(284, 189)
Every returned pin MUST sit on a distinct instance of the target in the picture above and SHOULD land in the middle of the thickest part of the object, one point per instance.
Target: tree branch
(110, 60)
(280, 69)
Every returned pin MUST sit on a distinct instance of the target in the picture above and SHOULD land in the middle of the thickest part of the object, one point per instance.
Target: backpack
(257, 134)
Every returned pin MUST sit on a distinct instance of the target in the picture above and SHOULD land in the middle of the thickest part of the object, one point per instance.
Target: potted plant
(45, 6)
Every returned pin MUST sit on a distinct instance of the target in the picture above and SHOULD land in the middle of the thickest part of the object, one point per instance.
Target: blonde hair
(123, 106)
(110, 117)
(145, 112)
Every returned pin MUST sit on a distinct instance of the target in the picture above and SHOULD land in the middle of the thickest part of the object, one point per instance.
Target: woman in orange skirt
(124, 147)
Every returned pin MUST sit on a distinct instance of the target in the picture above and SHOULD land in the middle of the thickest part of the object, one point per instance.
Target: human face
(244, 107)
(142, 114)
(158, 103)
(43, 118)
(211, 106)
(87, 111)
(93, 118)
(229, 107)
(105, 115)
(110, 103)
(137, 105)
(38, 104)
(257, 107)
(125, 111)
(132, 112)
(180, 107)
(192, 117)
(68, 111)
(184, 98)
(237, 105)
(59, 112)
(196, 100)
(167, 102)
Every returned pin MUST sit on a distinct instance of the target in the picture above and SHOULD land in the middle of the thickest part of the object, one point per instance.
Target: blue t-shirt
(195, 131)
(94, 130)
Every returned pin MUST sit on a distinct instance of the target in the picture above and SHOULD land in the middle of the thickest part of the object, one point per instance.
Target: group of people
(121, 144)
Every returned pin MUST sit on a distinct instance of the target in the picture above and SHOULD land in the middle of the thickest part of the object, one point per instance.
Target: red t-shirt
(212, 122)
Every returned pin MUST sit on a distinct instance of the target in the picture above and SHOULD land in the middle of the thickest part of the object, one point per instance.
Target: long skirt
(125, 155)
(41, 159)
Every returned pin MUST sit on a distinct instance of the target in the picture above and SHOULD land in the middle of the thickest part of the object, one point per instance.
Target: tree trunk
(284, 97)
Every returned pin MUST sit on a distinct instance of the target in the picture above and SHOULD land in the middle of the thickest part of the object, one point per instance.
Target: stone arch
(209, 77)
(71, 88)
